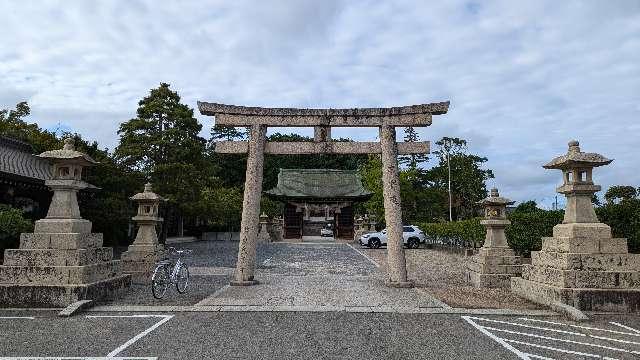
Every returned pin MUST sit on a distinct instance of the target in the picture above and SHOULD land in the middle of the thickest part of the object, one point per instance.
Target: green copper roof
(319, 184)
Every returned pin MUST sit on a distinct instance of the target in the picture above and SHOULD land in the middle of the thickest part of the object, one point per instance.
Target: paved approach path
(316, 276)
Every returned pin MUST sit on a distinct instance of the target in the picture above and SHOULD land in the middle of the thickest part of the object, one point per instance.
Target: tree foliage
(13, 125)
(162, 143)
(412, 161)
(622, 213)
(467, 175)
(619, 193)
(12, 223)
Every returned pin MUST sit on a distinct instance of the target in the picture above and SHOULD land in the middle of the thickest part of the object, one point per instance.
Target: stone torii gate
(257, 119)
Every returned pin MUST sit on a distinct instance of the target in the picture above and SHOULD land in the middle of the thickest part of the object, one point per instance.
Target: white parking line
(122, 347)
(583, 327)
(561, 340)
(17, 317)
(565, 345)
(625, 327)
(559, 350)
(365, 255)
(518, 353)
(76, 358)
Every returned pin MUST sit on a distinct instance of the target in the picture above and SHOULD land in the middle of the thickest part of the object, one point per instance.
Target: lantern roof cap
(147, 194)
(494, 198)
(574, 158)
(68, 152)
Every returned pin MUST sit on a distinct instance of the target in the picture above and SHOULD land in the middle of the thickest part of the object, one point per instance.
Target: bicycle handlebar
(173, 250)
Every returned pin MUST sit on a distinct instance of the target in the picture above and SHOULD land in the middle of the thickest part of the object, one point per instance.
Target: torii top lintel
(413, 115)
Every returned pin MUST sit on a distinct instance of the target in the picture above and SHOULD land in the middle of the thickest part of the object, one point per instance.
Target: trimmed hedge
(624, 219)
(528, 228)
(464, 233)
(524, 234)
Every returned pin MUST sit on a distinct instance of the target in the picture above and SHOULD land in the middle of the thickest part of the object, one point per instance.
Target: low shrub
(12, 223)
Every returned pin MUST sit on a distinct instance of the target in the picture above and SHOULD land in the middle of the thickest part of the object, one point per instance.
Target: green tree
(620, 193)
(527, 207)
(12, 223)
(412, 161)
(162, 143)
(13, 125)
(108, 208)
(467, 177)
(371, 174)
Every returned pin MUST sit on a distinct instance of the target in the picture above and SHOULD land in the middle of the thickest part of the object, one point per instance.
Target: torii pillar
(258, 119)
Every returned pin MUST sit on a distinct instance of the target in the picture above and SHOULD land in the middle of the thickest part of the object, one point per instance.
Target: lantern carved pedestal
(141, 257)
(496, 263)
(62, 261)
(581, 265)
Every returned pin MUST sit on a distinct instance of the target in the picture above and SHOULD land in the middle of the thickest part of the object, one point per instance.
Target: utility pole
(449, 168)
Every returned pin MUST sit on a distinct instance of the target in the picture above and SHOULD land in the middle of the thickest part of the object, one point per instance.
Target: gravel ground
(211, 257)
(442, 274)
(199, 288)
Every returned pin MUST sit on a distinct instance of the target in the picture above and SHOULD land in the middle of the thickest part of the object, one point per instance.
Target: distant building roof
(319, 184)
(17, 160)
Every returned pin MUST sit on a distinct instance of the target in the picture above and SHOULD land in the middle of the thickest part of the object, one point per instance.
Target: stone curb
(320, 309)
(75, 308)
(569, 311)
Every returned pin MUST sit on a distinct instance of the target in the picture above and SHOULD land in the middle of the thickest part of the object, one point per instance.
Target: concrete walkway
(319, 276)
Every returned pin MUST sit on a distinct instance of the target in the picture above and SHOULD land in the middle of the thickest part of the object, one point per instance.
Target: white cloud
(523, 78)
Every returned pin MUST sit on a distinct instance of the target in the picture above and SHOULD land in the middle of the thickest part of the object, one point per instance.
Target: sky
(523, 77)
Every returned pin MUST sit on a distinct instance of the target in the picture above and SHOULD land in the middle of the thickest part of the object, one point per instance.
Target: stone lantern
(578, 187)
(263, 234)
(141, 256)
(62, 261)
(582, 265)
(495, 219)
(495, 263)
(66, 181)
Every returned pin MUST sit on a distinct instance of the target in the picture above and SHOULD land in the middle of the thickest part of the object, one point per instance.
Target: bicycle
(167, 273)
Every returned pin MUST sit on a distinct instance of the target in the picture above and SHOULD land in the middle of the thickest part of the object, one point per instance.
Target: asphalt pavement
(304, 274)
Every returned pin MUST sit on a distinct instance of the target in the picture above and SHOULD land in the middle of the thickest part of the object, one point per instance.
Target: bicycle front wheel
(160, 281)
(182, 281)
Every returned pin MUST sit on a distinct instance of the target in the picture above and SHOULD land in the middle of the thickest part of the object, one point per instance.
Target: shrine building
(314, 198)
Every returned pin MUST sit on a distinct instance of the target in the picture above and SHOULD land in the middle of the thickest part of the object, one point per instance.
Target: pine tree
(412, 161)
(163, 143)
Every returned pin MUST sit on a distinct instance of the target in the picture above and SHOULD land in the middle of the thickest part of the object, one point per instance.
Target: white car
(412, 236)
(327, 230)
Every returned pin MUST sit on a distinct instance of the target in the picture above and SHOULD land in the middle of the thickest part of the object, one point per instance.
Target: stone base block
(143, 253)
(264, 237)
(582, 230)
(400, 284)
(585, 299)
(581, 278)
(62, 226)
(60, 240)
(244, 282)
(596, 262)
(58, 296)
(58, 275)
(488, 280)
(141, 273)
(496, 251)
(584, 245)
(140, 265)
(57, 257)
